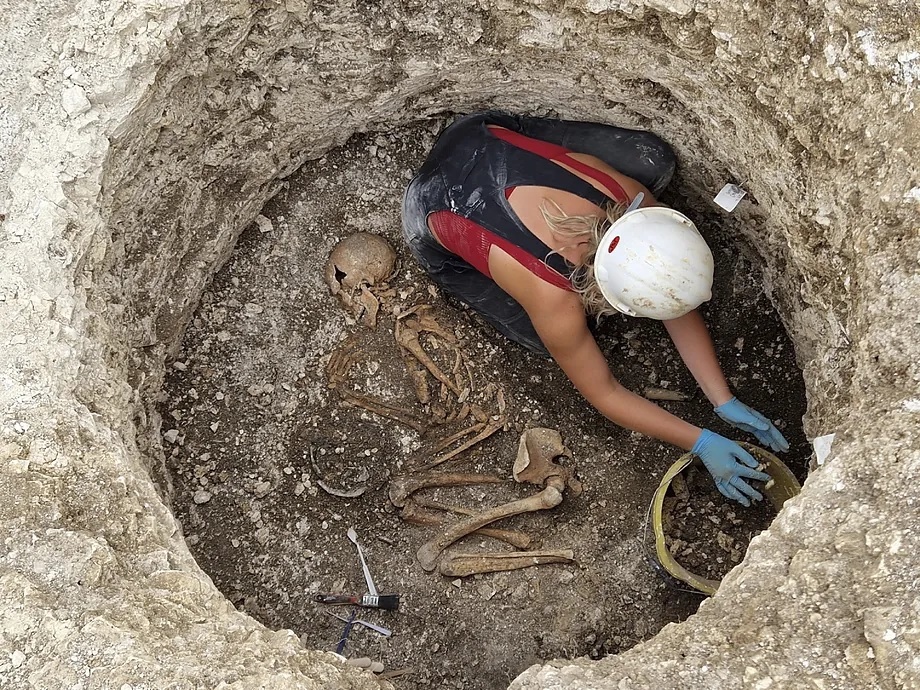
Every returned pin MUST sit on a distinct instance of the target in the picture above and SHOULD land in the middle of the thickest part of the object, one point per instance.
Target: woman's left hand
(742, 417)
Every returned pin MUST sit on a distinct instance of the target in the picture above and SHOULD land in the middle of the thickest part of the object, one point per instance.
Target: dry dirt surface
(253, 432)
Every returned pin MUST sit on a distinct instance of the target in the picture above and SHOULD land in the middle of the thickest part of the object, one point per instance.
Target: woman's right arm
(563, 328)
(559, 319)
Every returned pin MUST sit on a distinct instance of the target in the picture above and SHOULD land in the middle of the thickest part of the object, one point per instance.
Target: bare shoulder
(537, 296)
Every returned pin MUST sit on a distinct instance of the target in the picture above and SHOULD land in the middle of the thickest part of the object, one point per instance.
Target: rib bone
(465, 564)
(472, 429)
(383, 409)
(487, 431)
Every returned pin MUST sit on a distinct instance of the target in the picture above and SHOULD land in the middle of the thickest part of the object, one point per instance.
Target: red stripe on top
(472, 242)
(563, 155)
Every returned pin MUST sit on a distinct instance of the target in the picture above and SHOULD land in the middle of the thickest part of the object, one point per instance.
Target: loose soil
(705, 532)
(247, 402)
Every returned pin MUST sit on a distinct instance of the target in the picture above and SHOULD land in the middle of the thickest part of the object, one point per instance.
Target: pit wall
(138, 140)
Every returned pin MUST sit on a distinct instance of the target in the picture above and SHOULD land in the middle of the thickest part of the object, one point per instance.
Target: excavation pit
(254, 430)
(139, 141)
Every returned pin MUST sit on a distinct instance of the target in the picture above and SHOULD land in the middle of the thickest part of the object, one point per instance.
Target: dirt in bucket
(704, 531)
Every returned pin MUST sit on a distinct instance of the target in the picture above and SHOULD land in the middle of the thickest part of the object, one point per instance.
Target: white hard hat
(653, 262)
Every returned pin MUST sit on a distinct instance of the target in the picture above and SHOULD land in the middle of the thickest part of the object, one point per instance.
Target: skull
(356, 263)
(359, 260)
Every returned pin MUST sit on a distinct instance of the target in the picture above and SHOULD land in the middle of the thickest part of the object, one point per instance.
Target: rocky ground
(251, 428)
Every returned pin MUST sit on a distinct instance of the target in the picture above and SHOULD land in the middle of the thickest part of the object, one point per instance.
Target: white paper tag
(822, 445)
(729, 197)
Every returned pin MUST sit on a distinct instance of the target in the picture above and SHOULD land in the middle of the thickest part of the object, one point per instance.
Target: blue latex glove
(729, 464)
(742, 417)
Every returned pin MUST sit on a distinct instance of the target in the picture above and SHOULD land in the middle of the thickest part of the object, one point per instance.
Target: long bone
(414, 515)
(407, 335)
(534, 464)
(402, 487)
(518, 539)
(384, 409)
(550, 497)
(465, 564)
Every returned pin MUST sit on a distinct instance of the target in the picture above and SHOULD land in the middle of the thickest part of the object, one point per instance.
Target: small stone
(74, 101)
(264, 224)
(457, 583)
(235, 542)
(192, 539)
(171, 436)
(201, 496)
(262, 488)
(218, 395)
(181, 366)
(299, 489)
(17, 658)
(252, 308)
(214, 426)
(223, 336)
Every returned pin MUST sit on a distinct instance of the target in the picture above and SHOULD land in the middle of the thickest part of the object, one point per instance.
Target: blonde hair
(589, 230)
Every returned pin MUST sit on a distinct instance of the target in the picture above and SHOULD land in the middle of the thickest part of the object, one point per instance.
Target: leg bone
(413, 514)
(517, 539)
(550, 497)
(465, 564)
(403, 487)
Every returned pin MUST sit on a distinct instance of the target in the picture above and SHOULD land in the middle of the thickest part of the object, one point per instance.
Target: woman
(534, 222)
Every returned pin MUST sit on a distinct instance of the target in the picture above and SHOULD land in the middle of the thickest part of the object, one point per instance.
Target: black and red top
(470, 174)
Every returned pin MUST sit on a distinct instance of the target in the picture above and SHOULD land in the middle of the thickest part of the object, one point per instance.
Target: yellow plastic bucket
(785, 486)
